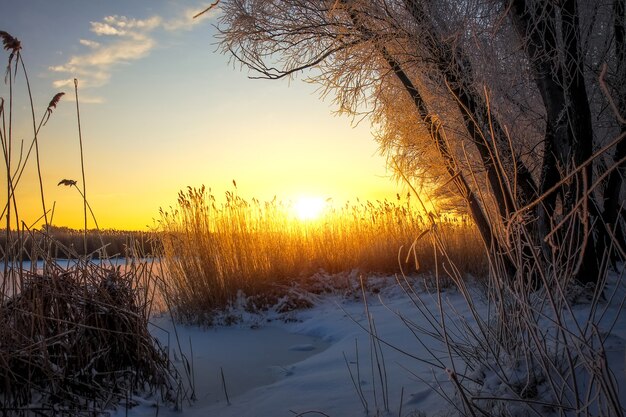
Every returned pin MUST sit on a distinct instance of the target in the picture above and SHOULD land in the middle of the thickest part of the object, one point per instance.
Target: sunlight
(308, 208)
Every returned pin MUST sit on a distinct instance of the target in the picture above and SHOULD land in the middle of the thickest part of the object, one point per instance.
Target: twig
(310, 412)
(193, 371)
(224, 385)
(357, 384)
(215, 3)
(608, 96)
(82, 165)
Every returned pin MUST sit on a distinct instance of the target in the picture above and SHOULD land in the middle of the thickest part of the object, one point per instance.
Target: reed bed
(74, 339)
(213, 250)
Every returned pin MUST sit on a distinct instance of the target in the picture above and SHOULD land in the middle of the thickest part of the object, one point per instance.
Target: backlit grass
(214, 249)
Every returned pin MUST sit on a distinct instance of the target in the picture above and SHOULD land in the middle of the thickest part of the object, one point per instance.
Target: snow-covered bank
(342, 370)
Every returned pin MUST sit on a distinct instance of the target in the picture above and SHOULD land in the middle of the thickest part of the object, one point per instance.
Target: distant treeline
(63, 242)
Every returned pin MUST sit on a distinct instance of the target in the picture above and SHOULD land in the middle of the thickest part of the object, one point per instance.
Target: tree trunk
(614, 184)
(484, 227)
(569, 132)
(579, 115)
(479, 122)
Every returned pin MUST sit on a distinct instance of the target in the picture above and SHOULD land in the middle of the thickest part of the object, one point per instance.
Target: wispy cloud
(89, 43)
(121, 39)
(125, 26)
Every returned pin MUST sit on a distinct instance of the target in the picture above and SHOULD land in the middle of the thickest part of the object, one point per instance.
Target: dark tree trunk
(540, 37)
(579, 115)
(569, 132)
(459, 180)
(614, 184)
(479, 122)
(484, 227)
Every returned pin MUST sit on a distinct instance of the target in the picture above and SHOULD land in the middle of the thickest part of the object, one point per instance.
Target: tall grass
(531, 344)
(73, 337)
(214, 249)
(516, 350)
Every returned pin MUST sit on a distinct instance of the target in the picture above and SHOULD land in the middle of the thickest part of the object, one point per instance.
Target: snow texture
(322, 359)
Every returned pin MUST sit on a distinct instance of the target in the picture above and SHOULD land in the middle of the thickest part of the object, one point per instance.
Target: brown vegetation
(76, 339)
(516, 106)
(213, 250)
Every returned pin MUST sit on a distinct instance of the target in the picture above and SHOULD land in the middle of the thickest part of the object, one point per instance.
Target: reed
(212, 250)
(535, 342)
(73, 335)
(74, 338)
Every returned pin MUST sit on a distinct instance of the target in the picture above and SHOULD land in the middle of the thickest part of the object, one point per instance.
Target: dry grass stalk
(74, 336)
(532, 352)
(213, 251)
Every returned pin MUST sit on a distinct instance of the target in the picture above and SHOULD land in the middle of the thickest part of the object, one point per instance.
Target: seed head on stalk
(10, 44)
(53, 104)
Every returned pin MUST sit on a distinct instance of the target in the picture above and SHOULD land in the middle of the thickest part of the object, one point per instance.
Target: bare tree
(521, 103)
(474, 72)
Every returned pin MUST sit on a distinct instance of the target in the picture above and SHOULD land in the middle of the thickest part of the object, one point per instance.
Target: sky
(162, 109)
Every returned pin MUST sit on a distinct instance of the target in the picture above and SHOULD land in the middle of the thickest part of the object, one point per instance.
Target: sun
(308, 208)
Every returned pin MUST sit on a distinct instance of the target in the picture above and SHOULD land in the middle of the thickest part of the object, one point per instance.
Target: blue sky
(161, 109)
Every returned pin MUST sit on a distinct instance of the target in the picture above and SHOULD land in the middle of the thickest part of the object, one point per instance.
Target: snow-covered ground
(312, 363)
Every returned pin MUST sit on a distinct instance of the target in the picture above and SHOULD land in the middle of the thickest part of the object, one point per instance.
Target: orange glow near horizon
(137, 208)
(127, 184)
(153, 127)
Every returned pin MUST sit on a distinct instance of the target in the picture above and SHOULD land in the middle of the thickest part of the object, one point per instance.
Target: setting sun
(308, 208)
